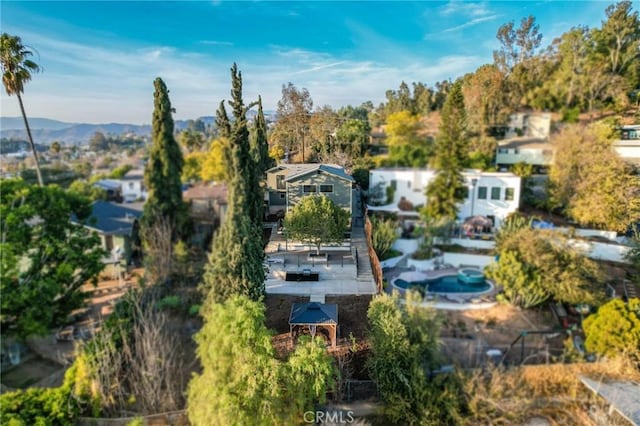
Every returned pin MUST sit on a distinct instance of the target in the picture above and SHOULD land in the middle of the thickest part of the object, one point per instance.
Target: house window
(108, 242)
(409, 184)
(482, 193)
(130, 185)
(326, 188)
(503, 150)
(280, 184)
(508, 194)
(394, 184)
(495, 193)
(283, 195)
(309, 189)
(516, 151)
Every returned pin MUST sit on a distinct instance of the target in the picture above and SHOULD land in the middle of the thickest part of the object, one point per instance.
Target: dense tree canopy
(45, 257)
(291, 130)
(242, 382)
(535, 265)
(404, 346)
(590, 182)
(614, 329)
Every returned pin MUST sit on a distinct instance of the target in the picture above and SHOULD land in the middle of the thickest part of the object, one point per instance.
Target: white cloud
(85, 83)
(471, 23)
(216, 43)
(463, 8)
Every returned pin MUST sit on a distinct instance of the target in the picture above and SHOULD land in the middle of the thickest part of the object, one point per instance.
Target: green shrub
(170, 302)
(194, 310)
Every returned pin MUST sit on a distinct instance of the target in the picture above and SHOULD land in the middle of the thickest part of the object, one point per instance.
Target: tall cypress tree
(261, 163)
(448, 188)
(222, 121)
(164, 168)
(235, 261)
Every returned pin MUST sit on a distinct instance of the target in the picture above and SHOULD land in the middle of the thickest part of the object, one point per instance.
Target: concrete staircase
(359, 245)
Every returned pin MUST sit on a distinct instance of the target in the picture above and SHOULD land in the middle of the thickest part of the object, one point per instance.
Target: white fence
(391, 263)
(470, 243)
(602, 251)
(464, 259)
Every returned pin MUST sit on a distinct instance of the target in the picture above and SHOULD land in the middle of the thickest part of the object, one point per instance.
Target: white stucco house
(535, 151)
(526, 141)
(129, 189)
(491, 194)
(628, 145)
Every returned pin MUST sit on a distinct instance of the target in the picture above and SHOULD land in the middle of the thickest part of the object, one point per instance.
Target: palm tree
(16, 71)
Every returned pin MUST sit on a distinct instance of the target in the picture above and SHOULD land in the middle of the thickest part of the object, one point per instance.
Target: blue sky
(100, 58)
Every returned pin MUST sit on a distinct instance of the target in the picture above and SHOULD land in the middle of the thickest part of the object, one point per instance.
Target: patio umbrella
(474, 222)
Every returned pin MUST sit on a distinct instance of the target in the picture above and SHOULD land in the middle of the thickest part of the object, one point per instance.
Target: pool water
(445, 284)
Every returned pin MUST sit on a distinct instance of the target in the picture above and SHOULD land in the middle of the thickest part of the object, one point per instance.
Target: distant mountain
(17, 123)
(45, 130)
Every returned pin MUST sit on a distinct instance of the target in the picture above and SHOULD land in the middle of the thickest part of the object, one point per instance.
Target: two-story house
(526, 141)
(493, 195)
(288, 183)
(128, 189)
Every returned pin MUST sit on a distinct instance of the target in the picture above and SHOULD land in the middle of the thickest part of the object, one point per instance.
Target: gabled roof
(113, 219)
(108, 184)
(314, 313)
(134, 174)
(216, 192)
(316, 168)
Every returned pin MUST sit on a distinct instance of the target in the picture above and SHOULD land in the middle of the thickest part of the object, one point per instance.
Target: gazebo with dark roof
(313, 315)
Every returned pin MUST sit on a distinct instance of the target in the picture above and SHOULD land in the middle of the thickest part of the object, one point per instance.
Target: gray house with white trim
(287, 184)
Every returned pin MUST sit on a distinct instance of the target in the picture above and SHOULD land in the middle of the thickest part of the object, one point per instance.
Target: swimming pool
(444, 284)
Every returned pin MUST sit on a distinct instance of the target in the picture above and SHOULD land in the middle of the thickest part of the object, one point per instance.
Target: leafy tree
(618, 41)
(16, 71)
(162, 175)
(448, 189)
(55, 147)
(294, 113)
(242, 382)
(404, 346)
(590, 182)
(276, 152)
(235, 262)
(322, 128)
(316, 220)
(88, 190)
(535, 265)
(192, 169)
(121, 171)
(45, 257)
(484, 98)
(98, 142)
(353, 136)
(406, 147)
(215, 164)
(516, 56)
(614, 329)
(191, 140)
(82, 169)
